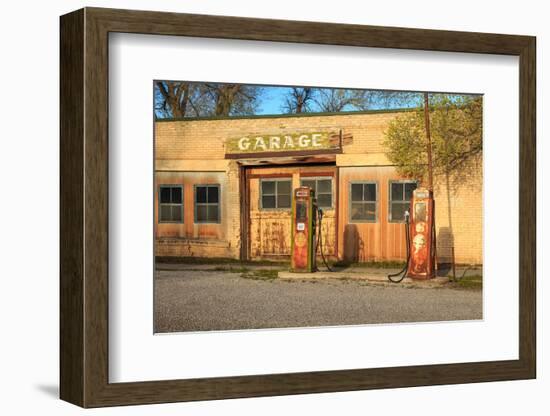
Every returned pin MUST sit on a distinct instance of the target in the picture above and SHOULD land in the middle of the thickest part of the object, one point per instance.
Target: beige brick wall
(189, 239)
(459, 215)
(204, 139)
(195, 145)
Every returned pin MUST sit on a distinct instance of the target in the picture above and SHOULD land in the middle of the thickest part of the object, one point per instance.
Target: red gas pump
(304, 218)
(421, 264)
(420, 231)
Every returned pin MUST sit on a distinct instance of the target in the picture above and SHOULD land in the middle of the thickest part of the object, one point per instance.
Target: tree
(177, 99)
(456, 131)
(298, 100)
(172, 98)
(233, 99)
(332, 100)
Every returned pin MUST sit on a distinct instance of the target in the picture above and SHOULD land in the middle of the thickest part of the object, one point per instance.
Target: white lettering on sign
(304, 140)
(286, 142)
(260, 144)
(289, 143)
(315, 140)
(244, 143)
(274, 142)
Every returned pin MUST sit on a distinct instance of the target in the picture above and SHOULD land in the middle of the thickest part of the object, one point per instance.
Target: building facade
(224, 188)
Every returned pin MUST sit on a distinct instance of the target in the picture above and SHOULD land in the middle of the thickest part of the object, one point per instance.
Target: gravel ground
(217, 300)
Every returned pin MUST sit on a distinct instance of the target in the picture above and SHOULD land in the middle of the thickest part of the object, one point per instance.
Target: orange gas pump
(421, 264)
(304, 218)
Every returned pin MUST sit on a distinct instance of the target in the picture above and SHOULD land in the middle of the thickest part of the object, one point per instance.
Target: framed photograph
(255, 207)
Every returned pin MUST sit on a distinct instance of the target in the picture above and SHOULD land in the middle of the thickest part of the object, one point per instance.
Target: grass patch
(469, 282)
(231, 269)
(261, 274)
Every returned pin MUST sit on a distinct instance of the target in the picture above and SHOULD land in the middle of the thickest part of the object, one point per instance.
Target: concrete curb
(368, 277)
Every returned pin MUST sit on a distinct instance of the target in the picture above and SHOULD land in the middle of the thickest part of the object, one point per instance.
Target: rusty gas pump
(304, 219)
(421, 262)
(420, 223)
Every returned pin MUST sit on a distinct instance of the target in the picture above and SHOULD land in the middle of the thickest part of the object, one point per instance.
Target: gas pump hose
(400, 275)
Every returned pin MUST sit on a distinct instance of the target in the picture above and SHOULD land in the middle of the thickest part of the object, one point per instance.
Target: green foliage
(469, 282)
(456, 133)
(261, 274)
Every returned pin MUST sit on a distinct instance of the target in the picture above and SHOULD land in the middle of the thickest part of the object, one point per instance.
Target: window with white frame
(323, 189)
(275, 193)
(207, 203)
(400, 194)
(171, 203)
(363, 201)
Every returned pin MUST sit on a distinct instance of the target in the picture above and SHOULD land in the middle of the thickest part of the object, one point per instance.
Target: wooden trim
(84, 279)
(527, 208)
(337, 211)
(315, 174)
(265, 155)
(244, 212)
(71, 218)
(269, 175)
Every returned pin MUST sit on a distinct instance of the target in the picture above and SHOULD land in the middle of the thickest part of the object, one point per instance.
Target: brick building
(223, 189)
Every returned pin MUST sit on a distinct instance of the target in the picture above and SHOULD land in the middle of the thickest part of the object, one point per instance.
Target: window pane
(398, 211)
(324, 200)
(268, 201)
(370, 192)
(358, 211)
(308, 182)
(268, 187)
(283, 187)
(200, 194)
(176, 195)
(176, 213)
(164, 213)
(396, 191)
(370, 211)
(324, 186)
(409, 188)
(213, 194)
(212, 213)
(356, 192)
(201, 213)
(283, 201)
(164, 195)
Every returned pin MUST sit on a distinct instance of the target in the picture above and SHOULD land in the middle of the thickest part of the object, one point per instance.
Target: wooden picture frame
(84, 207)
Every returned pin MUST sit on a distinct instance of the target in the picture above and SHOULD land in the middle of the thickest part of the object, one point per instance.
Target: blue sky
(272, 99)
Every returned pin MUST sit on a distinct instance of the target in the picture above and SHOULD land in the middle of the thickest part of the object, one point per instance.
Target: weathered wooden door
(270, 191)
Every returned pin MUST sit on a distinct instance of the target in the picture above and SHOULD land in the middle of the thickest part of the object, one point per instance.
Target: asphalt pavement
(202, 300)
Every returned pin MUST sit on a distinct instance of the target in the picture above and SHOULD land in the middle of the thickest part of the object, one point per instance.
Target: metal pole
(430, 174)
(428, 136)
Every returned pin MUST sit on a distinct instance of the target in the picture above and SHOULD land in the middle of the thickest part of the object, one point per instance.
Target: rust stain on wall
(270, 230)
